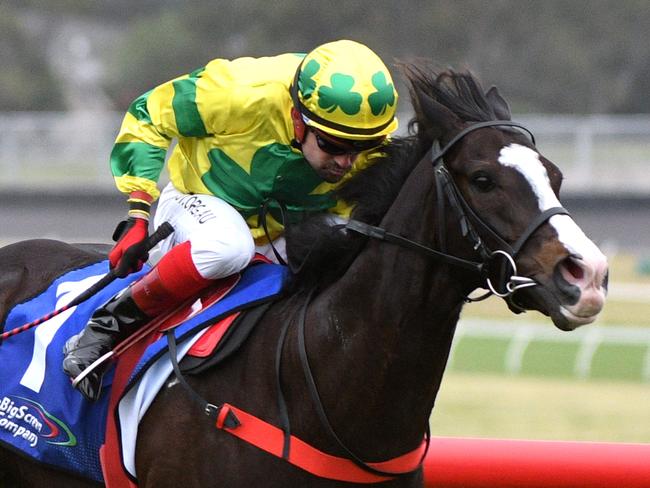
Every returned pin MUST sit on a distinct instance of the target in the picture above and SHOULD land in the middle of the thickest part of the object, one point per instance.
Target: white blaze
(527, 162)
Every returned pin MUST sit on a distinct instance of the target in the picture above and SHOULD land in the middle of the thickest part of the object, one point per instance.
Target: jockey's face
(330, 167)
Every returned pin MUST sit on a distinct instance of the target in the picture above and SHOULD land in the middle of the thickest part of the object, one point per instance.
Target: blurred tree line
(562, 56)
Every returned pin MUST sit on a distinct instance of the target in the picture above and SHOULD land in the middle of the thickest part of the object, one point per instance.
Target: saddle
(44, 418)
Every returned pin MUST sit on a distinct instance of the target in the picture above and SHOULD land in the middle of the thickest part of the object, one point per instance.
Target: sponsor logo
(28, 420)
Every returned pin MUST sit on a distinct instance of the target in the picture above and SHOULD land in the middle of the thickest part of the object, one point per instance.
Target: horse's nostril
(573, 268)
(564, 276)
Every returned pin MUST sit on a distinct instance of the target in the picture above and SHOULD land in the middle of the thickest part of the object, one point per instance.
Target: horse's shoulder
(28, 267)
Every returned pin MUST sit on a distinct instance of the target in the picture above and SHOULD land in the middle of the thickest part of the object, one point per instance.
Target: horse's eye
(482, 182)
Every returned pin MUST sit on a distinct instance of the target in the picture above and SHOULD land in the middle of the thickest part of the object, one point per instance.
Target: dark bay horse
(373, 307)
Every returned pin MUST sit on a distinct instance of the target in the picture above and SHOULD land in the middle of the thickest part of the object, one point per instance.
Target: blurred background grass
(489, 405)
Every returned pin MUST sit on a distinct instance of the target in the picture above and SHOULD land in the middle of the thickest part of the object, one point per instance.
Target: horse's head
(504, 196)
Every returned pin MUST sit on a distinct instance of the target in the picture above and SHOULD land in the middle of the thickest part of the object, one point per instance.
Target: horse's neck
(385, 328)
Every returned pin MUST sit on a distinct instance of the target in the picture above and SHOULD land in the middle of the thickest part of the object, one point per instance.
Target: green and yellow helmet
(344, 89)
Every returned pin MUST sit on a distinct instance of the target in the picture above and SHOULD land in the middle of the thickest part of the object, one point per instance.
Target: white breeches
(221, 241)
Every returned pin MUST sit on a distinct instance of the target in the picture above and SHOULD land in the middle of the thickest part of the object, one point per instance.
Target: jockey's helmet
(344, 89)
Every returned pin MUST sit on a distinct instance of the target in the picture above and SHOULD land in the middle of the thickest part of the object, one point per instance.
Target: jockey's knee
(215, 258)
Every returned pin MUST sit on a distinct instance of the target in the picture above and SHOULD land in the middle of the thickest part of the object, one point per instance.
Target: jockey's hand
(129, 253)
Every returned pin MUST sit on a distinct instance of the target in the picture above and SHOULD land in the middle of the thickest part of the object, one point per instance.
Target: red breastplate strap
(270, 438)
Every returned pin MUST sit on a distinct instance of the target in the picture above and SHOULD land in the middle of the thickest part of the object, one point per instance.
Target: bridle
(496, 266)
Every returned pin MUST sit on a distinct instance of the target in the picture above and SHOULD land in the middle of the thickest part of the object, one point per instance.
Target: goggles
(336, 146)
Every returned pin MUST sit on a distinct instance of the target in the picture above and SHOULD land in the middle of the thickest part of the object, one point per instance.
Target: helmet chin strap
(295, 144)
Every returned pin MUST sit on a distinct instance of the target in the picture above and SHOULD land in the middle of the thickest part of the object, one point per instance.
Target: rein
(447, 192)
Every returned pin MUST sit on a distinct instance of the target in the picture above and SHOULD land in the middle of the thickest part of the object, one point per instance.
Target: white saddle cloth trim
(135, 403)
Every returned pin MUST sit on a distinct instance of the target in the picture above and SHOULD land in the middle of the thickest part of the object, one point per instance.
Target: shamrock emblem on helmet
(384, 96)
(340, 95)
(306, 81)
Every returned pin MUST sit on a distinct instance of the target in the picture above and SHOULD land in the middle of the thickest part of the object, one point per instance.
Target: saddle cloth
(43, 417)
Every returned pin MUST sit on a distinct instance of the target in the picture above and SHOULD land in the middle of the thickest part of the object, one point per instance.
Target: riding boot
(109, 325)
(164, 288)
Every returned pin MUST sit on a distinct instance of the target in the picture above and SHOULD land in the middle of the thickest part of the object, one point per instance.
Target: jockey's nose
(345, 161)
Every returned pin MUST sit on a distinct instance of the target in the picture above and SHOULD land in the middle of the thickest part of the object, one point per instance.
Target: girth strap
(272, 439)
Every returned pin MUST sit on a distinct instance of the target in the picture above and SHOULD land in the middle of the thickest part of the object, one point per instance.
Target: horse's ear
(435, 117)
(498, 104)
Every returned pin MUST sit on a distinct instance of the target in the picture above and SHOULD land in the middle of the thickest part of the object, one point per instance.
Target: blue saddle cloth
(41, 415)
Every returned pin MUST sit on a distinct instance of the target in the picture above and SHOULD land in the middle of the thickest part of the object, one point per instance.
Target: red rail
(474, 463)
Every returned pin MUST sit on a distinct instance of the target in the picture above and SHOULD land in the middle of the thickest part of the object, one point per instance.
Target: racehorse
(354, 353)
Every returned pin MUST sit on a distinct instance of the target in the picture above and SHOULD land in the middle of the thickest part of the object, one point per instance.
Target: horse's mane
(319, 252)
(459, 92)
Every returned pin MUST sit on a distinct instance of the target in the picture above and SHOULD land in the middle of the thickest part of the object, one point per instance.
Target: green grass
(473, 354)
(488, 405)
(552, 359)
(617, 361)
(545, 358)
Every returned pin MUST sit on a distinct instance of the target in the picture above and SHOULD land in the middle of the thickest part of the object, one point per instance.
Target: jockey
(259, 141)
